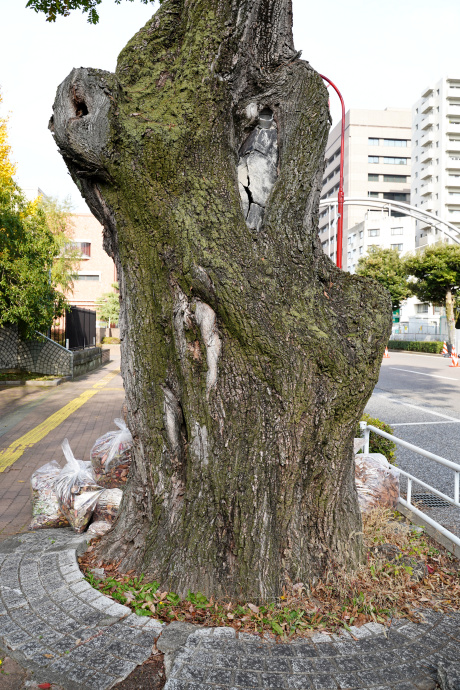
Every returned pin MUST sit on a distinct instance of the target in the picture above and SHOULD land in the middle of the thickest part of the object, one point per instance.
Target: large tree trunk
(247, 357)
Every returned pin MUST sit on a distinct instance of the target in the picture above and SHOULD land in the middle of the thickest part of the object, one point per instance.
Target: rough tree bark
(247, 357)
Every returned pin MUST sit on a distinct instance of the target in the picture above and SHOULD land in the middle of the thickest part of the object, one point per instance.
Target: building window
(397, 231)
(374, 195)
(395, 178)
(373, 159)
(395, 142)
(372, 177)
(421, 308)
(373, 233)
(373, 141)
(360, 251)
(361, 234)
(393, 160)
(83, 247)
(89, 276)
(397, 246)
(396, 196)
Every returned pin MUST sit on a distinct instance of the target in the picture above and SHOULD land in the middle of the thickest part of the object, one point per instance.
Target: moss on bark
(245, 479)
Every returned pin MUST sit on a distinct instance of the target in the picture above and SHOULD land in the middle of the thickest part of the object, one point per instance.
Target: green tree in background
(54, 8)
(59, 221)
(35, 265)
(388, 268)
(108, 306)
(28, 249)
(437, 273)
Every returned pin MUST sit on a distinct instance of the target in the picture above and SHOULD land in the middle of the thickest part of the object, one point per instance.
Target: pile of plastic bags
(377, 482)
(81, 491)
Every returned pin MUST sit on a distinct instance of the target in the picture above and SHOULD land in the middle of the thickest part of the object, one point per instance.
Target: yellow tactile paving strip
(9, 455)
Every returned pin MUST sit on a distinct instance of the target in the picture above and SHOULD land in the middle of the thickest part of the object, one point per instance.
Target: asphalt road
(419, 396)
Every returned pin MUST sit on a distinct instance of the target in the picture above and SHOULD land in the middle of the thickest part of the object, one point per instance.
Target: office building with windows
(436, 157)
(377, 164)
(96, 271)
(378, 230)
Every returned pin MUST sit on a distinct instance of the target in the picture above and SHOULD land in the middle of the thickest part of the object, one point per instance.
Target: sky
(379, 53)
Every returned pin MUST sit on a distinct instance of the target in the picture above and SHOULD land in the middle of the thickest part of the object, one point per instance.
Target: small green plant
(110, 340)
(378, 444)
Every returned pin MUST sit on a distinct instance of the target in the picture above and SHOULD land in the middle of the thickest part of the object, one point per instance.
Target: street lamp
(341, 195)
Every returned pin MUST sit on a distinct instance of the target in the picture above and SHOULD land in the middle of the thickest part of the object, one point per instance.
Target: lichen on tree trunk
(247, 357)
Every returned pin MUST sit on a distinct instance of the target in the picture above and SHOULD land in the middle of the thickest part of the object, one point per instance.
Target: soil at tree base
(149, 676)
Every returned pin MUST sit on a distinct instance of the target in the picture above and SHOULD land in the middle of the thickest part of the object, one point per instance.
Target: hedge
(378, 444)
(416, 346)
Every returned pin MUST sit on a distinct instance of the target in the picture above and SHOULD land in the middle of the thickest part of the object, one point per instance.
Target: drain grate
(431, 500)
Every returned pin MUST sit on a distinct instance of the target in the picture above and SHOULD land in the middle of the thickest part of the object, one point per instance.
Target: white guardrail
(407, 502)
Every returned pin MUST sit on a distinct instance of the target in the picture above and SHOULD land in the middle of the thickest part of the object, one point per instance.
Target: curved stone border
(405, 658)
(56, 625)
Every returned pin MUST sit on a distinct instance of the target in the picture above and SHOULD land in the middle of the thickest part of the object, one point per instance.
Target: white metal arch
(386, 204)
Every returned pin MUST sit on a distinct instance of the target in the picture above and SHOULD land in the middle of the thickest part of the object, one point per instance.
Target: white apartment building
(378, 230)
(377, 164)
(436, 156)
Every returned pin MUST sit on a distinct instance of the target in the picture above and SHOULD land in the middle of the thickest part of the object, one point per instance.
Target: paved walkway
(35, 421)
(60, 629)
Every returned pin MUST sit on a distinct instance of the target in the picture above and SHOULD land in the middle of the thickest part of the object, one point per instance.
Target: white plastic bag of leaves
(76, 489)
(111, 456)
(377, 482)
(97, 529)
(107, 506)
(46, 512)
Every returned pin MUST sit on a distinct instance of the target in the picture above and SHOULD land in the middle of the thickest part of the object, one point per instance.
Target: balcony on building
(453, 127)
(426, 155)
(427, 138)
(427, 105)
(452, 108)
(426, 172)
(427, 122)
(426, 189)
(453, 91)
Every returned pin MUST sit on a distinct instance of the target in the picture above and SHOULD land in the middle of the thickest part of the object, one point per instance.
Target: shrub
(416, 346)
(110, 341)
(378, 444)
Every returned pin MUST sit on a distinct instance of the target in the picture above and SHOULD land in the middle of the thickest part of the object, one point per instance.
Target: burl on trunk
(247, 357)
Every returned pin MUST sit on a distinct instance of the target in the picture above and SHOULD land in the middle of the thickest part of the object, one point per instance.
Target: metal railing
(407, 502)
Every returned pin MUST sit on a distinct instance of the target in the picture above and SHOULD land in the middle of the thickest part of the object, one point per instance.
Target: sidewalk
(35, 421)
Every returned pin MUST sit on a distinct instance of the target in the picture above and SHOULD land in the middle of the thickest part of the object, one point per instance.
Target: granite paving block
(136, 621)
(348, 681)
(279, 665)
(101, 681)
(323, 682)
(219, 676)
(298, 683)
(128, 651)
(121, 668)
(274, 681)
(247, 679)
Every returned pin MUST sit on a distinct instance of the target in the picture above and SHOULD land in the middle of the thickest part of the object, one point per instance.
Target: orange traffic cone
(387, 354)
(444, 350)
(454, 358)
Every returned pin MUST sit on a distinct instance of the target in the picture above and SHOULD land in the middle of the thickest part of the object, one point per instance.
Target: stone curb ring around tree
(56, 625)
